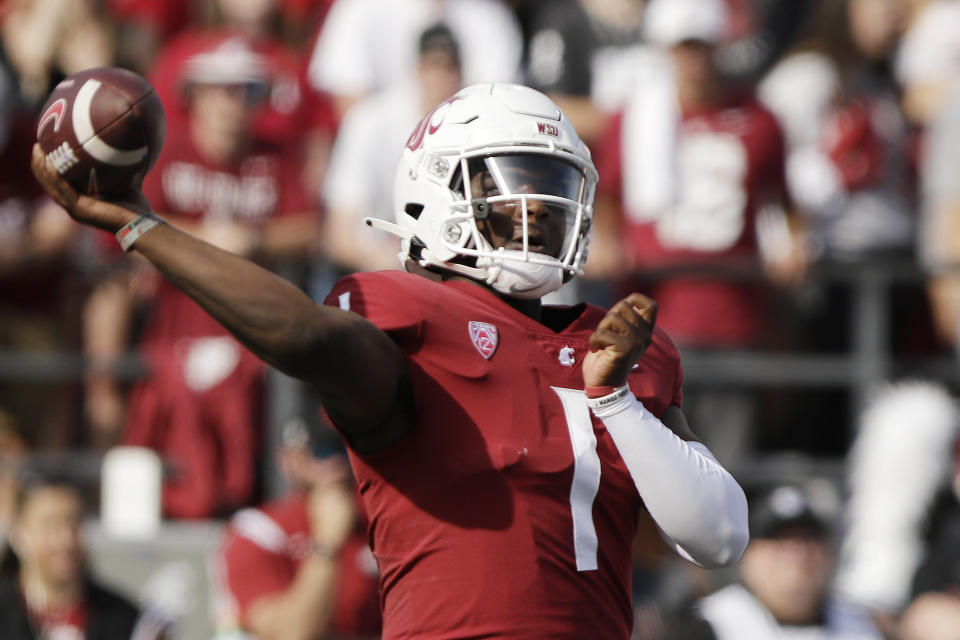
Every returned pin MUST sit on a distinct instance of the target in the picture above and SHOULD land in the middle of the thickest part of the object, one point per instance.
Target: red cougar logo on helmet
(55, 113)
(430, 124)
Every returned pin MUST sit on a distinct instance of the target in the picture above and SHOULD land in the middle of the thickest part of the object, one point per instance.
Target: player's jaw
(536, 242)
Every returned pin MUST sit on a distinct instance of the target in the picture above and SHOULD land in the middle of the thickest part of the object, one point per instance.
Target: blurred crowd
(751, 153)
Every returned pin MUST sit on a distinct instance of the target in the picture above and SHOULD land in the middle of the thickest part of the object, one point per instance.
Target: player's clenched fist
(619, 341)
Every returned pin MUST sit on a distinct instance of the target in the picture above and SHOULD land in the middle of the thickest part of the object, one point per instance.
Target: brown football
(102, 130)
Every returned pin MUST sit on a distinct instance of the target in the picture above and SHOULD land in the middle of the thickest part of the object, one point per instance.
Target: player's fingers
(622, 319)
(645, 306)
(626, 310)
(603, 337)
(55, 186)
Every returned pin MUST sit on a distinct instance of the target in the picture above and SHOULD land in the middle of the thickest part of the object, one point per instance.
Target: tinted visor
(524, 174)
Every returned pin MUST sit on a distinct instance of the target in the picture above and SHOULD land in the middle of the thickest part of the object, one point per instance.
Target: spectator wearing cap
(292, 113)
(361, 174)
(585, 56)
(46, 591)
(367, 46)
(201, 404)
(784, 589)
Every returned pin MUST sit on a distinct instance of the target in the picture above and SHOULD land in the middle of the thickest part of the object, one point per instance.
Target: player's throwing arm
(356, 368)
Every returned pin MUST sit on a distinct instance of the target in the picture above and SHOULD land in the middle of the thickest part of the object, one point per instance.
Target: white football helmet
(518, 151)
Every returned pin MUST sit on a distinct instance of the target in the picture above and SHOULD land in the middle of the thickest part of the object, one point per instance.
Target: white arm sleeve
(698, 506)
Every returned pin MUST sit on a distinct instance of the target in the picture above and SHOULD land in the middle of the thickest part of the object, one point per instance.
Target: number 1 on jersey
(586, 476)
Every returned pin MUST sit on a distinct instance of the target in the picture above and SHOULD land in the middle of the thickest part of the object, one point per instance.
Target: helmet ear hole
(413, 210)
(416, 247)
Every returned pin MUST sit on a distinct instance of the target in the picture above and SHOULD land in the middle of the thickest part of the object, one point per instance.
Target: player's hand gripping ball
(102, 130)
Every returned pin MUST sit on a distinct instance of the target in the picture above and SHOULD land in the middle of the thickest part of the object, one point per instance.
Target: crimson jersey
(472, 512)
(730, 162)
(261, 554)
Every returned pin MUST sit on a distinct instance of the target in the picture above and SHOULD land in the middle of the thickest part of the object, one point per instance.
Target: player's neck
(533, 309)
(697, 96)
(47, 595)
(530, 308)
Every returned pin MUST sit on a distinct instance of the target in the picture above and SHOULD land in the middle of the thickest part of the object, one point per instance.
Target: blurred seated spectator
(585, 54)
(39, 291)
(200, 407)
(848, 159)
(44, 39)
(366, 46)
(46, 592)
(300, 567)
(784, 589)
(688, 172)
(292, 114)
(362, 169)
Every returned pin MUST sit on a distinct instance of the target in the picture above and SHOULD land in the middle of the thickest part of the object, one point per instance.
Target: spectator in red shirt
(300, 567)
(200, 406)
(685, 172)
(292, 113)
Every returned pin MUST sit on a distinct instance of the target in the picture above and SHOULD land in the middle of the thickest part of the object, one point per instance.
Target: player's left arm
(696, 503)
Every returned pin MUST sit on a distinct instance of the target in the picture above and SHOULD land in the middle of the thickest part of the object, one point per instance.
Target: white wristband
(609, 399)
(131, 232)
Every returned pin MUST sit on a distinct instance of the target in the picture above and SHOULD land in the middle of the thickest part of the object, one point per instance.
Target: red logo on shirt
(484, 336)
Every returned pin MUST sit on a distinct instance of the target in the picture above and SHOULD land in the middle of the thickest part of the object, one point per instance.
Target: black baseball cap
(782, 507)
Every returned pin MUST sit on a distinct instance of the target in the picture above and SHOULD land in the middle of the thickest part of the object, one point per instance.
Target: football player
(505, 450)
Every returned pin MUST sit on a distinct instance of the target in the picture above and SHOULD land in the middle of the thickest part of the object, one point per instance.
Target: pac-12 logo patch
(484, 337)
